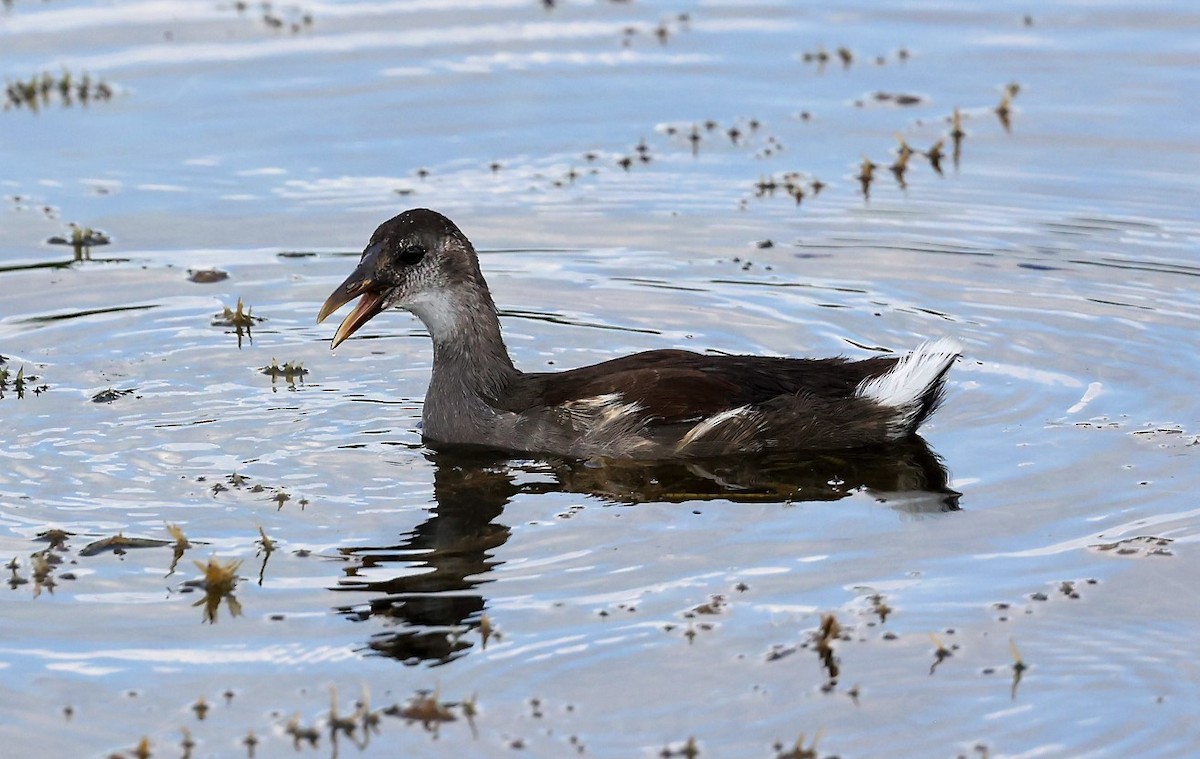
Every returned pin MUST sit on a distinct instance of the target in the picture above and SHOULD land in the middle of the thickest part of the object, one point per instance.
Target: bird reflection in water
(434, 599)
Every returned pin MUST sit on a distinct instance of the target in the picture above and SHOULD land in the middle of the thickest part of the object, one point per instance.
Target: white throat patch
(440, 312)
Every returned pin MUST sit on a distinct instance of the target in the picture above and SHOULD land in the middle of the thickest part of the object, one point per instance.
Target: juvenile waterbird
(658, 404)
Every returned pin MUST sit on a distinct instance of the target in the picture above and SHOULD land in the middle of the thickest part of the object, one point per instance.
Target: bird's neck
(470, 361)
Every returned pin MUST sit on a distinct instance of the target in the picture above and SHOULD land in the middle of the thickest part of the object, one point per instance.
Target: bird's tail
(914, 386)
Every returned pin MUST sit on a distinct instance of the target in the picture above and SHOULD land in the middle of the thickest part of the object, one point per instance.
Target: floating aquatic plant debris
(903, 99)
(956, 135)
(290, 372)
(829, 631)
(18, 383)
(267, 544)
(798, 750)
(188, 743)
(714, 605)
(689, 750)
(793, 183)
(240, 319)
(337, 723)
(426, 709)
(56, 538)
(661, 31)
(292, 18)
(239, 316)
(940, 653)
(42, 564)
(41, 90)
(847, 57)
(935, 155)
(853, 693)
(81, 240)
(219, 582)
(487, 630)
(299, 733)
(866, 175)
(880, 606)
(900, 165)
(1004, 109)
(110, 395)
(207, 276)
(15, 580)
(1142, 545)
(267, 547)
(1019, 666)
(181, 545)
(818, 56)
(119, 544)
(250, 742)
(142, 749)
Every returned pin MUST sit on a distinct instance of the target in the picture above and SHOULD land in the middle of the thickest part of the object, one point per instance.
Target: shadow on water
(432, 596)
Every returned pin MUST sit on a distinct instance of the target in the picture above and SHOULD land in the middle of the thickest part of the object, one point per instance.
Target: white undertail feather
(907, 385)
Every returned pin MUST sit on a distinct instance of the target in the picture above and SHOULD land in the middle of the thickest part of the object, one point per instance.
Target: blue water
(1061, 252)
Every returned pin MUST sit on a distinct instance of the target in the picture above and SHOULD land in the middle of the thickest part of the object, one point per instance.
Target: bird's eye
(411, 254)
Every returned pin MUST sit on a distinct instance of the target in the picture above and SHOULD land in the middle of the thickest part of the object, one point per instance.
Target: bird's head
(414, 261)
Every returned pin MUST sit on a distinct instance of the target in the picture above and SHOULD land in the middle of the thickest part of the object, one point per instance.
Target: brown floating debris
(250, 742)
(798, 750)
(239, 316)
(220, 579)
(1004, 109)
(207, 276)
(487, 630)
(956, 135)
(19, 382)
(940, 653)
(300, 733)
(866, 175)
(56, 538)
(829, 631)
(82, 240)
(39, 91)
(900, 165)
(1019, 666)
(689, 750)
(935, 155)
(240, 319)
(142, 750)
(880, 606)
(111, 394)
(290, 372)
(1145, 545)
(898, 98)
(118, 544)
(426, 709)
(181, 545)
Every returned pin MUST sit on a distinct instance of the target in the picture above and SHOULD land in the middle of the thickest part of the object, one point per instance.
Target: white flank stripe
(708, 425)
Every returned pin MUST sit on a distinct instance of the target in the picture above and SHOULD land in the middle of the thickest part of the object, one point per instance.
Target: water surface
(560, 609)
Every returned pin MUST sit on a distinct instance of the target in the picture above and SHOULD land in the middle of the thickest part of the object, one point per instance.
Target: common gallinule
(659, 404)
